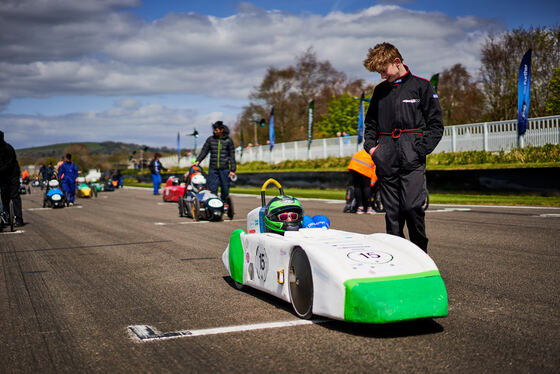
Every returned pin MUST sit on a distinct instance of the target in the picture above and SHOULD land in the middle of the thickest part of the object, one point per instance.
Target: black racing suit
(403, 124)
(9, 178)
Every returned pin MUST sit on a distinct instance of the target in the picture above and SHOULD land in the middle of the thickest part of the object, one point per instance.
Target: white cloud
(126, 121)
(68, 47)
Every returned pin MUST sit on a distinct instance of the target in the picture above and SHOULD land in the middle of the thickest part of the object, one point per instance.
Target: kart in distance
(173, 190)
(375, 278)
(199, 203)
(83, 189)
(54, 197)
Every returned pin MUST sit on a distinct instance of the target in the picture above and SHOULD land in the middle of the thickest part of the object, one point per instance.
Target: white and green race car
(376, 278)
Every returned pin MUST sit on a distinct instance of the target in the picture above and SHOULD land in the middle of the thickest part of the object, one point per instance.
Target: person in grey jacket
(222, 159)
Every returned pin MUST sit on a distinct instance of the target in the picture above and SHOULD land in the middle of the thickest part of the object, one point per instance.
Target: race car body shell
(172, 193)
(377, 278)
(84, 190)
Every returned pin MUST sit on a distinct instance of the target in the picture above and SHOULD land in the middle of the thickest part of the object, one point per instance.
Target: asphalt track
(74, 280)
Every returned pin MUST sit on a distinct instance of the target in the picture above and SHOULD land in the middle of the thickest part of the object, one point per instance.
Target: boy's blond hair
(380, 56)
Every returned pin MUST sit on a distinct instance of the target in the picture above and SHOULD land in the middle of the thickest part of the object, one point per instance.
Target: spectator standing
(155, 168)
(9, 179)
(67, 174)
(118, 177)
(362, 170)
(222, 159)
(403, 124)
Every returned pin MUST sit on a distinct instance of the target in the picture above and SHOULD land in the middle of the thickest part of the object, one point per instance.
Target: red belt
(396, 133)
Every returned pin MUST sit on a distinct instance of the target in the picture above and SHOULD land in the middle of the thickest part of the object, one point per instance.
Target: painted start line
(12, 232)
(145, 333)
(70, 207)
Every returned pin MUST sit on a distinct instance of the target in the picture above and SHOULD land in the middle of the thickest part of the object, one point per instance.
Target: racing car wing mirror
(265, 185)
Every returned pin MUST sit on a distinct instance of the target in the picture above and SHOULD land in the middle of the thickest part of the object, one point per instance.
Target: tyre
(180, 205)
(29, 190)
(12, 217)
(427, 201)
(195, 209)
(44, 203)
(301, 283)
(237, 285)
(230, 211)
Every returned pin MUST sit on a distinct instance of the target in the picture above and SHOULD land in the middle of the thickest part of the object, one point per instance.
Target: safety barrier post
(485, 127)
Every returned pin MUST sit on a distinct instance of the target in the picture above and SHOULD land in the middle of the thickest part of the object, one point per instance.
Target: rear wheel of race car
(230, 211)
(301, 283)
(44, 203)
(180, 204)
(195, 209)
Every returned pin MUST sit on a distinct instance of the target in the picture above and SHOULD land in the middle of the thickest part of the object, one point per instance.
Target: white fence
(488, 136)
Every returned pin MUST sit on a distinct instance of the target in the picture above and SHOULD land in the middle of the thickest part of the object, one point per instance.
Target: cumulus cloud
(98, 48)
(126, 121)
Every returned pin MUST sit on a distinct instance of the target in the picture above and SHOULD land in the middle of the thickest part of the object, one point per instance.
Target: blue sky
(139, 71)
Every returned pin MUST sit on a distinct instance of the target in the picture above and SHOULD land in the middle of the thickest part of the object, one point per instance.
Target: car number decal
(370, 257)
(261, 264)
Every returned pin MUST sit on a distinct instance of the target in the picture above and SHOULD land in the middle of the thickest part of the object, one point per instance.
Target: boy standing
(403, 124)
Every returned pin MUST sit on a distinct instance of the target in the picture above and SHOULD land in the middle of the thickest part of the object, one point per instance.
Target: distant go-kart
(54, 197)
(83, 189)
(199, 203)
(24, 186)
(376, 278)
(173, 190)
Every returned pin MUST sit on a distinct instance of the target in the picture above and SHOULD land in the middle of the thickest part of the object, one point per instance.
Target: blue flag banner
(271, 129)
(361, 120)
(178, 147)
(523, 93)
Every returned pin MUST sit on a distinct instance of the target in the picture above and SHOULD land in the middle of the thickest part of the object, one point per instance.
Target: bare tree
(289, 91)
(460, 97)
(501, 56)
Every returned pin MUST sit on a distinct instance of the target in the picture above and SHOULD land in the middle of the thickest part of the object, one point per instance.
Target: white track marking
(145, 333)
(75, 206)
(12, 232)
(446, 210)
(195, 222)
(549, 215)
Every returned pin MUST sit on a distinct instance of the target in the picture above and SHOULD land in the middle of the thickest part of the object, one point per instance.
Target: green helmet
(278, 205)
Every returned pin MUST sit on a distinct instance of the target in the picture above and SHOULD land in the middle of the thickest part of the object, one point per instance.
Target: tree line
(489, 96)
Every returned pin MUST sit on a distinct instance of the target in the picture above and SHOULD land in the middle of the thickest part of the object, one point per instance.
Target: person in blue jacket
(67, 174)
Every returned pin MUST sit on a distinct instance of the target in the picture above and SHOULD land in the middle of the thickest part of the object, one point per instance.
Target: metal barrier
(488, 136)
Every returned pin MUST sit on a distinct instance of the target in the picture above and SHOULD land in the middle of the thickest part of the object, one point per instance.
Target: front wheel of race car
(229, 207)
(180, 204)
(301, 283)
